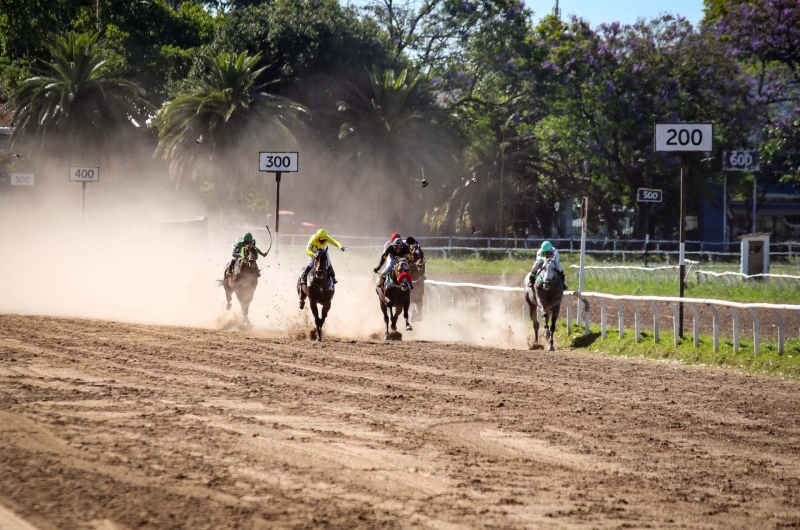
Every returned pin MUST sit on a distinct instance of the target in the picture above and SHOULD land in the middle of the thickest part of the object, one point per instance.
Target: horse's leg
(533, 310)
(228, 293)
(395, 313)
(554, 312)
(406, 305)
(325, 308)
(547, 332)
(385, 319)
(317, 320)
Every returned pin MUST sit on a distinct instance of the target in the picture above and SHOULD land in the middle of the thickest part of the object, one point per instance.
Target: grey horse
(546, 293)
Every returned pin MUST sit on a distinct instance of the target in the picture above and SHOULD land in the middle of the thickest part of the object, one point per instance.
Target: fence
(737, 278)
(666, 274)
(617, 248)
(635, 303)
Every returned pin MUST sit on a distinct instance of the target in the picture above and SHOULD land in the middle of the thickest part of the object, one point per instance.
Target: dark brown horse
(417, 271)
(395, 295)
(547, 292)
(319, 289)
(242, 280)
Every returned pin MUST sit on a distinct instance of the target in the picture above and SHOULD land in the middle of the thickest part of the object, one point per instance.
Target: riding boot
(532, 277)
(304, 275)
(333, 275)
(563, 280)
(231, 267)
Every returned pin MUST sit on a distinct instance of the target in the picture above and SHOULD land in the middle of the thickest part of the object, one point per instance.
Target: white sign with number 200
(84, 174)
(683, 136)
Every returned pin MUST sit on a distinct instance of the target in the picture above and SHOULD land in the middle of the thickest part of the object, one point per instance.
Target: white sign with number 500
(84, 174)
(683, 137)
(22, 179)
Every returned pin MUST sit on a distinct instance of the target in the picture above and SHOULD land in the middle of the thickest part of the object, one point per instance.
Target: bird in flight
(422, 180)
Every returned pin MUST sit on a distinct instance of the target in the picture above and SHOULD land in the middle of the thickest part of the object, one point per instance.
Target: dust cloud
(127, 260)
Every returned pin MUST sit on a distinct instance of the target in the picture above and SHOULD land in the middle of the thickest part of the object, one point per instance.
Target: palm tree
(75, 102)
(215, 127)
(394, 134)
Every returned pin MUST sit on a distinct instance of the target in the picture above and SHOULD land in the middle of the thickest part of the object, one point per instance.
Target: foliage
(394, 133)
(75, 103)
(220, 114)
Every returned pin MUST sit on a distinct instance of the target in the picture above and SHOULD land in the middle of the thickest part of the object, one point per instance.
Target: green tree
(74, 104)
(391, 134)
(211, 130)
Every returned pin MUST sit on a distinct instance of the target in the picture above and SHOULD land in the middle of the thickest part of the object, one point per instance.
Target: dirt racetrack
(120, 426)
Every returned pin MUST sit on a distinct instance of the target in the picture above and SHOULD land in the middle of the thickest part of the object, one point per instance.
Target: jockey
(399, 249)
(391, 240)
(547, 251)
(319, 241)
(240, 247)
(412, 244)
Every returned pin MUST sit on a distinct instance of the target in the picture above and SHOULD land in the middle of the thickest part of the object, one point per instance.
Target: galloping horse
(396, 295)
(319, 289)
(418, 281)
(547, 292)
(242, 280)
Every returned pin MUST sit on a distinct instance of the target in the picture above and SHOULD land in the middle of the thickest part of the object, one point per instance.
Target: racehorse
(242, 280)
(417, 271)
(547, 292)
(319, 289)
(396, 295)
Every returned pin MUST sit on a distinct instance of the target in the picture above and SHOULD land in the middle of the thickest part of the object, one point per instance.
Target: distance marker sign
(22, 179)
(683, 136)
(648, 195)
(278, 162)
(84, 174)
(740, 161)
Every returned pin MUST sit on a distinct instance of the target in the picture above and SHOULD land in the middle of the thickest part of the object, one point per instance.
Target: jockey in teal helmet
(547, 251)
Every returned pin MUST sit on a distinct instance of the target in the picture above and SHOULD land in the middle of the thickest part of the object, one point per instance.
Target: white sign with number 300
(278, 162)
(84, 174)
(683, 136)
(22, 179)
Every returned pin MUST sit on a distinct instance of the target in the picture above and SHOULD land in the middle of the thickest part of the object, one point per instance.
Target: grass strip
(768, 362)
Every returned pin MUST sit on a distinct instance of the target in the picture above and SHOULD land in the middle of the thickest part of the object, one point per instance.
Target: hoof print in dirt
(537, 347)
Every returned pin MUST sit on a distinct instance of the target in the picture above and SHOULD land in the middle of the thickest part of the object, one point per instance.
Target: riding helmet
(547, 247)
(248, 237)
(322, 233)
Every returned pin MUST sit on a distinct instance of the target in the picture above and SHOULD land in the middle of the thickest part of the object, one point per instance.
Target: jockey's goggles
(323, 239)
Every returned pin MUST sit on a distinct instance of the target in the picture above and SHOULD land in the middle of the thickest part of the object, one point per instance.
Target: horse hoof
(409, 328)
(386, 336)
(302, 304)
(551, 348)
(228, 307)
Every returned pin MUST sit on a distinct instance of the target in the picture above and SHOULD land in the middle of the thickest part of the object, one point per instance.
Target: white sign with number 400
(683, 137)
(84, 174)
(22, 179)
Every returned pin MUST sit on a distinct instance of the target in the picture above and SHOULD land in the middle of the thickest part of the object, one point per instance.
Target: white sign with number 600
(278, 162)
(683, 137)
(84, 174)
(22, 179)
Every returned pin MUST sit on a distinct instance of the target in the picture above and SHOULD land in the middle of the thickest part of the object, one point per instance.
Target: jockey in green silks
(240, 247)
(547, 251)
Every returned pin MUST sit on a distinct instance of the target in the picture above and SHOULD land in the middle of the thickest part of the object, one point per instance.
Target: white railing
(636, 302)
(737, 278)
(666, 274)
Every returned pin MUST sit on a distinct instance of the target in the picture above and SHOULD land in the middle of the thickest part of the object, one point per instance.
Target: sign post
(278, 163)
(84, 174)
(683, 138)
(584, 214)
(746, 160)
(648, 196)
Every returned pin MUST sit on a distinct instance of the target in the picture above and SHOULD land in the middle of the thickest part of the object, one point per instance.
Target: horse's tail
(220, 283)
